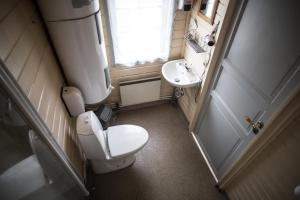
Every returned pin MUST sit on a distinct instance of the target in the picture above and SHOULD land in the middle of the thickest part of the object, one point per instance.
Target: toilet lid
(126, 139)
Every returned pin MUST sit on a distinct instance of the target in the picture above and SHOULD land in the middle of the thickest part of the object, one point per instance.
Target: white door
(258, 72)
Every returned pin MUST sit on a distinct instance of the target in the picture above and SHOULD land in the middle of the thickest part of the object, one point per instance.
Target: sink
(177, 75)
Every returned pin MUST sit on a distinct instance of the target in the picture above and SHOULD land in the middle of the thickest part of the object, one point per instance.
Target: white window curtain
(141, 30)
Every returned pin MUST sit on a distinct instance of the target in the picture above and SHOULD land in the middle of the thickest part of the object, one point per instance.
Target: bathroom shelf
(197, 48)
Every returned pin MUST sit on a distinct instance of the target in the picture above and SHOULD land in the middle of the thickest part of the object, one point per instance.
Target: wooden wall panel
(187, 102)
(28, 55)
(274, 173)
(147, 70)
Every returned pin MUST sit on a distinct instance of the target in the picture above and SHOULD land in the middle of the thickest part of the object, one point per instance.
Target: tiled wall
(27, 53)
(147, 70)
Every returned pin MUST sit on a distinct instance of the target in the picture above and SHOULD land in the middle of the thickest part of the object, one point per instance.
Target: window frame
(110, 48)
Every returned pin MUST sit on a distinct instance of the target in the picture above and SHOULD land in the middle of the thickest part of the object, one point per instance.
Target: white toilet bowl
(110, 149)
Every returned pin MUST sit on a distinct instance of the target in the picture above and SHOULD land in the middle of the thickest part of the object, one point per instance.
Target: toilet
(111, 149)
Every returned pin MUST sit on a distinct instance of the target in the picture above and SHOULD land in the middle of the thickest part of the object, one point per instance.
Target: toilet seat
(112, 149)
(123, 140)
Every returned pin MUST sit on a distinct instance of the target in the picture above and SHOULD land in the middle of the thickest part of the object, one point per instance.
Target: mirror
(207, 10)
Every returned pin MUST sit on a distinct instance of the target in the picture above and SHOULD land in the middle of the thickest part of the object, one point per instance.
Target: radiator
(140, 91)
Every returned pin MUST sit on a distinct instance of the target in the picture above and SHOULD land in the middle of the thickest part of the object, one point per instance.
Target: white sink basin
(177, 75)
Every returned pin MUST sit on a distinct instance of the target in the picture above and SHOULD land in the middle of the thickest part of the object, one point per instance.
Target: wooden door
(258, 72)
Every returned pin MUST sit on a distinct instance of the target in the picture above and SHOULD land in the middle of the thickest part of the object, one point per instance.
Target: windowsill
(147, 64)
(119, 66)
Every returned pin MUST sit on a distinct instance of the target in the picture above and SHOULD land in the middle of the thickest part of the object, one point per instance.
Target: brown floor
(169, 167)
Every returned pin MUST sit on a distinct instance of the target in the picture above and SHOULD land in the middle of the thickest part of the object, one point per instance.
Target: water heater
(75, 30)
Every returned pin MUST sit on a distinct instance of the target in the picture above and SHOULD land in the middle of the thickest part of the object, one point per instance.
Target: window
(140, 30)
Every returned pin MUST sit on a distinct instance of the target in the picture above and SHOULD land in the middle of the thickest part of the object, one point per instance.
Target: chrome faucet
(188, 68)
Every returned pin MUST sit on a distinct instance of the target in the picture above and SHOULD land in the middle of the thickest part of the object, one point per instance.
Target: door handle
(256, 126)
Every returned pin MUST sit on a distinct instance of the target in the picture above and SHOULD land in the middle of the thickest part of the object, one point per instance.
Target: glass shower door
(29, 169)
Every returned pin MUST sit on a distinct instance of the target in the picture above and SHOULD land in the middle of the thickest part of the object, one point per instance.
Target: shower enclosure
(32, 165)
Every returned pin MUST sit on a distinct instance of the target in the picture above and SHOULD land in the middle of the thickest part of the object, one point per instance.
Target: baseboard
(206, 160)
